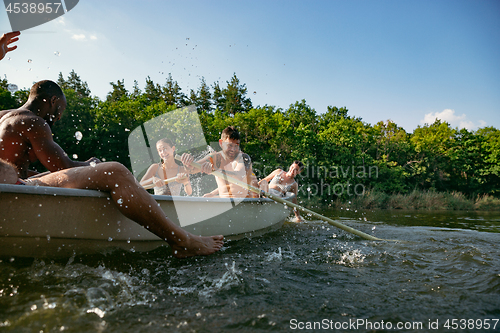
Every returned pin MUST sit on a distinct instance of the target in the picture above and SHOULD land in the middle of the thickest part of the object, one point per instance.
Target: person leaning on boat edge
(280, 182)
(230, 161)
(131, 199)
(26, 134)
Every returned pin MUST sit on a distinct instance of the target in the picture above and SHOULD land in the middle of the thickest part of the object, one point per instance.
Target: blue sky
(408, 61)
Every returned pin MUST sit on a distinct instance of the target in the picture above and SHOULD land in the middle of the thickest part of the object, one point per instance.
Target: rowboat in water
(44, 221)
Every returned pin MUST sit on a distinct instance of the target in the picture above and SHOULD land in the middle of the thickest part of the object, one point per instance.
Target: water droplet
(93, 164)
(75, 156)
(12, 87)
(30, 61)
(57, 53)
(119, 201)
(78, 135)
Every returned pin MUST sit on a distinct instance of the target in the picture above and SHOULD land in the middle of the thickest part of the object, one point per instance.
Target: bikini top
(172, 188)
(276, 181)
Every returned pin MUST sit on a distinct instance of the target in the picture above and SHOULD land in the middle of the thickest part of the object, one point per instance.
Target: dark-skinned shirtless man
(26, 135)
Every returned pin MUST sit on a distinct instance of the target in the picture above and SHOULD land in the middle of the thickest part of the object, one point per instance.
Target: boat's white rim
(71, 192)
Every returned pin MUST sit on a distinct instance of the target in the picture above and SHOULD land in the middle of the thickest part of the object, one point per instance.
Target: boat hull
(58, 216)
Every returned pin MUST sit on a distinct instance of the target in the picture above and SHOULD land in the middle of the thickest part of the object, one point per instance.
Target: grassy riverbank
(424, 200)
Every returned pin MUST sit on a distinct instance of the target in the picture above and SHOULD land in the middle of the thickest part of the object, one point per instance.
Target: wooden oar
(288, 203)
(39, 175)
(166, 181)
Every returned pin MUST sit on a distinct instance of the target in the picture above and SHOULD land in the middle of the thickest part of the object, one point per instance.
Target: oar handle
(166, 181)
(288, 203)
(39, 175)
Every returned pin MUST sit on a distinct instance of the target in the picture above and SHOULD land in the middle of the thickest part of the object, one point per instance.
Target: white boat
(44, 221)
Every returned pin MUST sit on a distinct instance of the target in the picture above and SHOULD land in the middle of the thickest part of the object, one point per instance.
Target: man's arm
(188, 159)
(214, 193)
(48, 152)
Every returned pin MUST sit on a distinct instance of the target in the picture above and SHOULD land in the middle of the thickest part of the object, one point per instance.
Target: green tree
(202, 98)
(172, 93)
(152, 91)
(489, 172)
(7, 100)
(78, 117)
(435, 152)
(218, 97)
(136, 93)
(74, 83)
(235, 96)
(118, 91)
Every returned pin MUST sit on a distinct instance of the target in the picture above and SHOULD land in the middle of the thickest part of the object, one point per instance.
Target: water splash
(351, 258)
(230, 278)
(275, 256)
(78, 135)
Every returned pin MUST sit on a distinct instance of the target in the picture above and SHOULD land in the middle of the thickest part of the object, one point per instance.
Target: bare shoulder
(276, 172)
(24, 123)
(216, 159)
(153, 167)
(20, 117)
(272, 174)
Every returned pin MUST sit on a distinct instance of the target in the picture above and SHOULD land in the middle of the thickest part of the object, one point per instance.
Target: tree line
(344, 156)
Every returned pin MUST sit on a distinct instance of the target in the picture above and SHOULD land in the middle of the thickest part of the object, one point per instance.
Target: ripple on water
(309, 271)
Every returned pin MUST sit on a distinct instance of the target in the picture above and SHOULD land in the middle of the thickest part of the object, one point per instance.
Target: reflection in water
(448, 267)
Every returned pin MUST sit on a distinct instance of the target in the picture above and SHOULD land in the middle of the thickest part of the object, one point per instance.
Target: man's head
(48, 100)
(230, 142)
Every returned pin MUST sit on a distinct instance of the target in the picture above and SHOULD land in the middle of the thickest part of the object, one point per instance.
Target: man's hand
(6, 40)
(188, 159)
(182, 178)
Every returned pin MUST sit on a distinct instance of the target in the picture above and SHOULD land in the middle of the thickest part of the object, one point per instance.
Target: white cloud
(449, 116)
(79, 37)
(83, 37)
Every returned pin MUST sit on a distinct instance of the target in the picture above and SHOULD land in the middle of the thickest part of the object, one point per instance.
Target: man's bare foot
(198, 246)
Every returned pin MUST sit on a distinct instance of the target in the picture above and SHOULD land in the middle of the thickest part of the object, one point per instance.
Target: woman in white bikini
(280, 182)
(166, 169)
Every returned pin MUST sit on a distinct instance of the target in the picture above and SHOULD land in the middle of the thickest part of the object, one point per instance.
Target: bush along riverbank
(344, 156)
(419, 200)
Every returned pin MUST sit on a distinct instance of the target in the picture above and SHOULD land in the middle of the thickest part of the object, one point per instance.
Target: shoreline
(418, 200)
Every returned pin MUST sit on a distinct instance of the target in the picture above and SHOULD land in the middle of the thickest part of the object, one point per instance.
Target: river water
(443, 276)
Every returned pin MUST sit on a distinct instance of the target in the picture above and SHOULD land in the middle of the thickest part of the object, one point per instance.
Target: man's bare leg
(136, 204)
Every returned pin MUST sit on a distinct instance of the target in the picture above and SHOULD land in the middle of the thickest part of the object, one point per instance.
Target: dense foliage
(344, 156)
